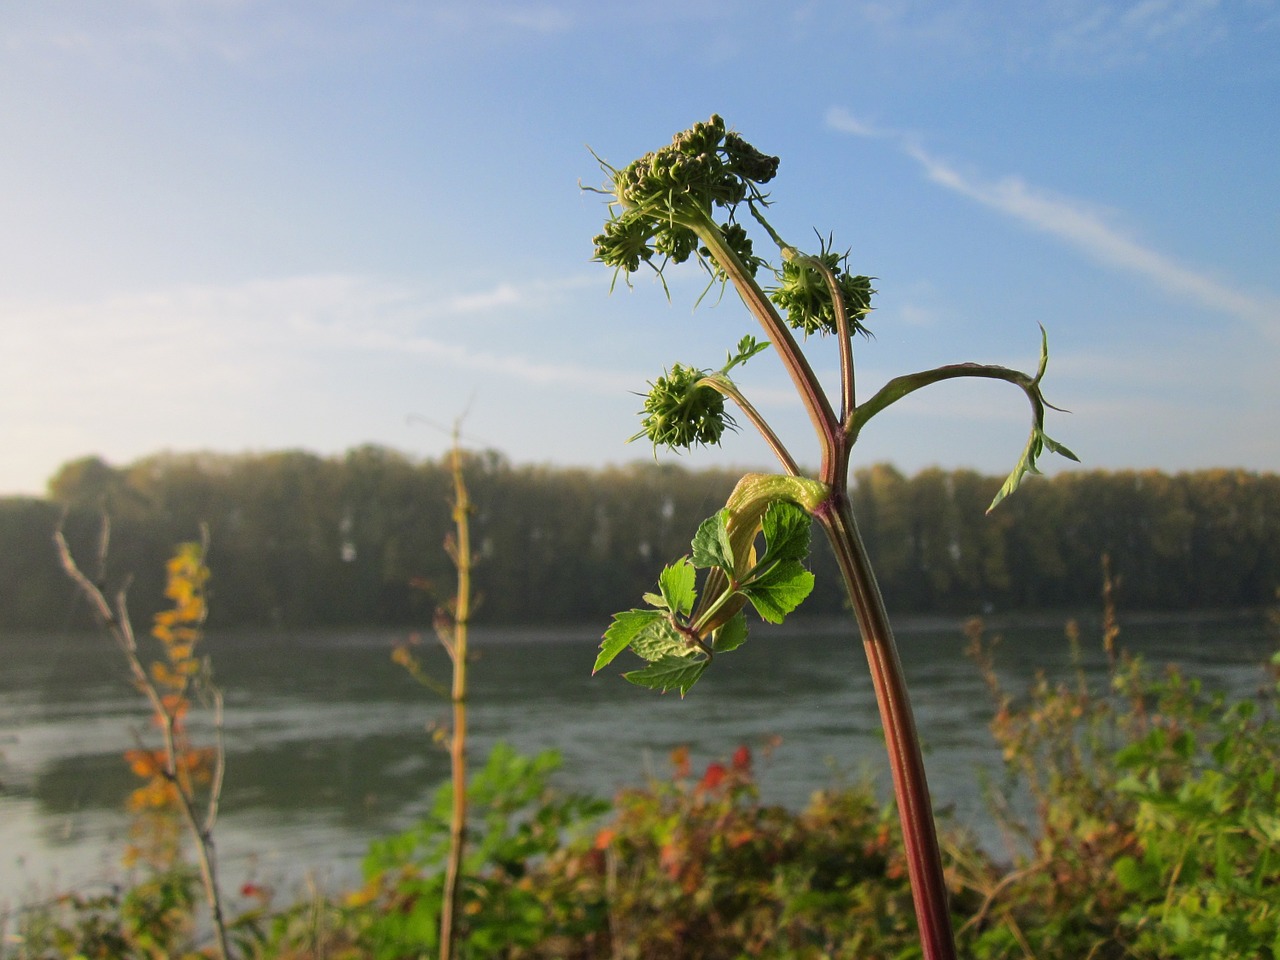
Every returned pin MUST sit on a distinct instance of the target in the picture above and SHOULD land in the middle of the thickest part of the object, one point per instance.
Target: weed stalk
(178, 759)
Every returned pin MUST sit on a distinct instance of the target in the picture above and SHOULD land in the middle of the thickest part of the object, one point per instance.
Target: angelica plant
(694, 200)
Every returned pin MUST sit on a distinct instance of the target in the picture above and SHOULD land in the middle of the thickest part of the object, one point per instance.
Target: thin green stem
(899, 387)
(726, 387)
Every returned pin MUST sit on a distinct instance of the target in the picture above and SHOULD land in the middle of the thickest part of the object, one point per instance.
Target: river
(328, 743)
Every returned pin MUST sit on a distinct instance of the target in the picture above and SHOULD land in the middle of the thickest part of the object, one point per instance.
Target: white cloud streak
(216, 333)
(263, 362)
(234, 30)
(1080, 226)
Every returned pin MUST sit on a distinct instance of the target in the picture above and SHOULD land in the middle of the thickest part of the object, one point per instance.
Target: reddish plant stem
(836, 437)
(910, 787)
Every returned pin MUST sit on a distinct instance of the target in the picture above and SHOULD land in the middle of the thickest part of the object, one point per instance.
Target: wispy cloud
(236, 32)
(240, 333)
(1071, 35)
(1080, 225)
(1115, 33)
(290, 360)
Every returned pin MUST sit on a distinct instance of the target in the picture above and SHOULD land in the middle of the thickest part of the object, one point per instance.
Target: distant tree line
(303, 540)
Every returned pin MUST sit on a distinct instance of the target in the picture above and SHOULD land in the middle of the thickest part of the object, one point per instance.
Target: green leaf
(625, 628)
(1134, 876)
(1055, 447)
(748, 347)
(730, 636)
(678, 585)
(1027, 462)
(780, 591)
(678, 673)
(1039, 440)
(786, 529)
(659, 639)
(711, 546)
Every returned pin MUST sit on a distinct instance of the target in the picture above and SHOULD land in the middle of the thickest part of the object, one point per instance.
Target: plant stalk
(793, 359)
(910, 787)
(457, 648)
(120, 626)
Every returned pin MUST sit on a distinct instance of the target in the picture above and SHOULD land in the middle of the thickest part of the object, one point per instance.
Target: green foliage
(680, 637)
(1155, 832)
(517, 821)
(697, 866)
(151, 920)
(1039, 441)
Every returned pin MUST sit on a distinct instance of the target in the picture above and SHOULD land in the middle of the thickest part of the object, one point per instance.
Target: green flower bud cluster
(681, 410)
(805, 295)
(707, 163)
(663, 193)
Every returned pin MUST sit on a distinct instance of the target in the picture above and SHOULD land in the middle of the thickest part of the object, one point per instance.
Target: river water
(328, 742)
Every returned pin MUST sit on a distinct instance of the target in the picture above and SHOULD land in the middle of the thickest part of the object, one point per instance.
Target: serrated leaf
(748, 347)
(679, 673)
(622, 632)
(780, 591)
(786, 529)
(678, 584)
(730, 636)
(659, 639)
(711, 545)
(655, 600)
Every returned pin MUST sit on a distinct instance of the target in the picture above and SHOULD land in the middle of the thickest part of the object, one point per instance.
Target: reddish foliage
(714, 776)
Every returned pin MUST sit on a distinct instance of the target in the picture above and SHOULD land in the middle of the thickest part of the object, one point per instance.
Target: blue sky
(262, 224)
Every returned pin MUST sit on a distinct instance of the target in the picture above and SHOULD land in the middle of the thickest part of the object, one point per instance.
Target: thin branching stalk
(199, 824)
(794, 361)
(728, 388)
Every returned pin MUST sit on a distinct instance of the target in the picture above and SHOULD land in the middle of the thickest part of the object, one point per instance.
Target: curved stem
(725, 386)
(848, 399)
(797, 365)
(911, 790)
(899, 387)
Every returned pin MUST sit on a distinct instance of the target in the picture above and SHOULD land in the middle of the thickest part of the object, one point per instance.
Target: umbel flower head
(804, 293)
(661, 196)
(682, 410)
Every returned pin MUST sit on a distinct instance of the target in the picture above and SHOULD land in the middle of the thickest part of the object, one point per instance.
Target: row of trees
(302, 540)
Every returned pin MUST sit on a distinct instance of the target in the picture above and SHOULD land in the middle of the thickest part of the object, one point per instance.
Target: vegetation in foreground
(1153, 831)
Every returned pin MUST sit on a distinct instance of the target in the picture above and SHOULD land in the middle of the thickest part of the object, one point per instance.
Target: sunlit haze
(242, 225)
